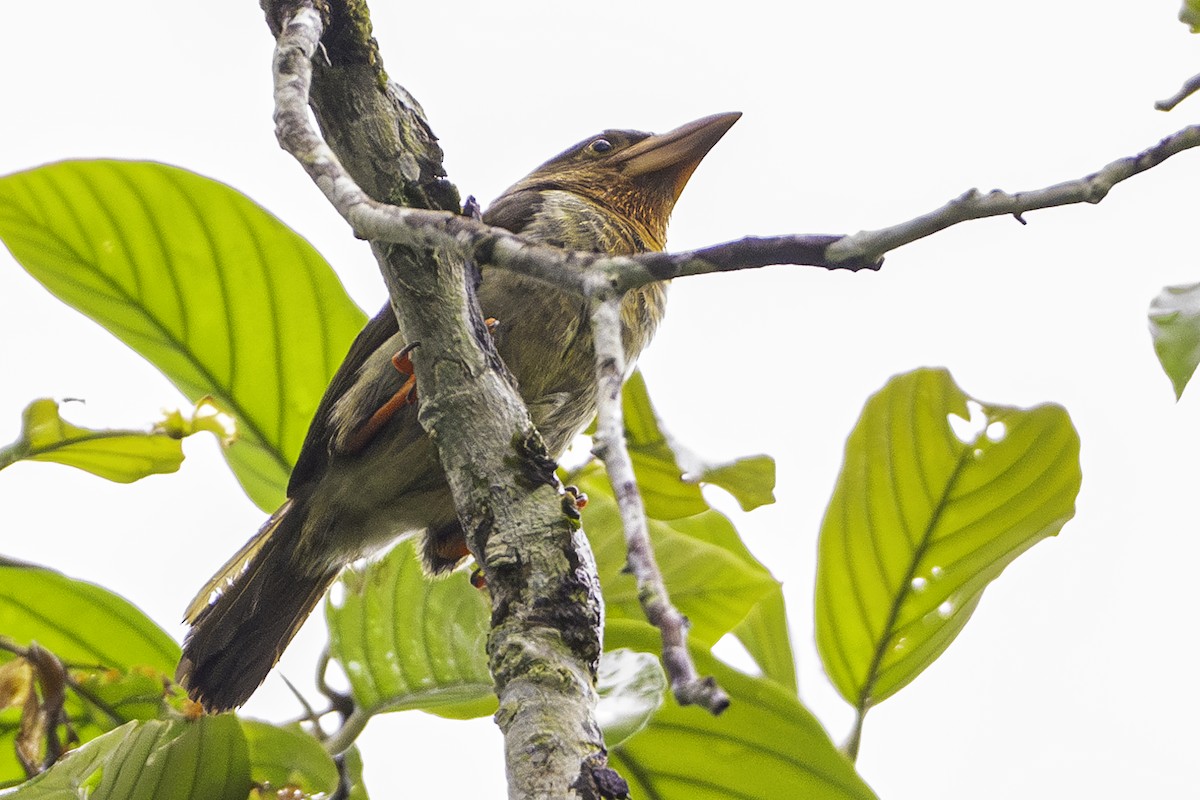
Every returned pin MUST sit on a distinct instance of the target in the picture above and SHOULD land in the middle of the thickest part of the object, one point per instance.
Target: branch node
(1189, 88)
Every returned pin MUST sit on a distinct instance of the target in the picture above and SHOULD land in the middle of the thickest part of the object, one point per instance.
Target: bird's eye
(601, 146)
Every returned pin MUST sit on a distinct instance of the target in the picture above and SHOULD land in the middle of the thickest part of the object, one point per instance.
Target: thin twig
(496, 247)
(501, 249)
(873, 245)
(86, 694)
(340, 702)
(352, 726)
(854, 741)
(609, 445)
(310, 714)
(1189, 88)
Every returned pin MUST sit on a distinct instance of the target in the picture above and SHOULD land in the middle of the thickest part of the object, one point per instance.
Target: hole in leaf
(919, 584)
(970, 429)
(997, 431)
(945, 610)
(731, 650)
(336, 677)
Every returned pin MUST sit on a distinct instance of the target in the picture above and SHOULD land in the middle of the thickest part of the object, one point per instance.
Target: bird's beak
(673, 156)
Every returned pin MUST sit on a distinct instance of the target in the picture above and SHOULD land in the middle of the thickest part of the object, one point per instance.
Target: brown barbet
(368, 473)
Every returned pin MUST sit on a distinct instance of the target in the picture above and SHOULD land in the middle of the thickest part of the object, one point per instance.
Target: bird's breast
(544, 336)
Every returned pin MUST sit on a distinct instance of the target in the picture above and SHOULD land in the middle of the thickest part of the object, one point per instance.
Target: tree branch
(869, 245)
(1189, 88)
(544, 645)
(609, 445)
(864, 250)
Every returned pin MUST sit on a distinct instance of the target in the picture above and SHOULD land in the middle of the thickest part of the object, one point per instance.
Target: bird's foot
(573, 502)
(576, 498)
(477, 578)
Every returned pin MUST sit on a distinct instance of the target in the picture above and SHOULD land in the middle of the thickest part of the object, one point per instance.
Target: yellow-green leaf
(119, 656)
(222, 297)
(179, 759)
(765, 746)
(1189, 14)
(123, 456)
(668, 474)
(153, 760)
(289, 758)
(405, 641)
(765, 635)
(711, 576)
(922, 520)
(1175, 329)
(80, 622)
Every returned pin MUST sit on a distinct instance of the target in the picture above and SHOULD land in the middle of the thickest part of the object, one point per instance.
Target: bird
(368, 474)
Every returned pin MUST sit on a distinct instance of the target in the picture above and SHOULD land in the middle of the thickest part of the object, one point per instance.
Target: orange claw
(477, 579)
(575, 496)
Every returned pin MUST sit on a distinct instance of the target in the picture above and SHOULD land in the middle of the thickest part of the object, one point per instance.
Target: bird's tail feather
(262, 598)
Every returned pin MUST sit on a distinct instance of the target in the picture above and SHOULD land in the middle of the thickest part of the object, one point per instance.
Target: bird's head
(635, 174)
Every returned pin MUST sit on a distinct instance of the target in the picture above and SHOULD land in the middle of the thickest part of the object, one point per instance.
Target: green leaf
(218, 294)
(80, 622)
(711, 576)
(765, 635)
(121, 456)
(206, 757)
(74, 777)
(154, 760)
(921, 521)
(631, 687)
(751, 480)
(668, 474)
(405, 641)
(353, 764)
(1175, 329)
(664, 493)
(1189, 14)
(766, 746)
(107, 699)
(289, 757)
(119, 656)
(110, 697)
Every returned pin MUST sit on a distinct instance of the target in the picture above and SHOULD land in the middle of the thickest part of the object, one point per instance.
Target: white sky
(1074, 677)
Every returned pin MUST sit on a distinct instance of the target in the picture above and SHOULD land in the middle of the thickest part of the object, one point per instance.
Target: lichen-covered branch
(544, 645)
(609, 445)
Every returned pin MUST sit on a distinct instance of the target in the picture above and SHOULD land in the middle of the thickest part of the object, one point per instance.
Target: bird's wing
(514, 211)
(314, 453)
